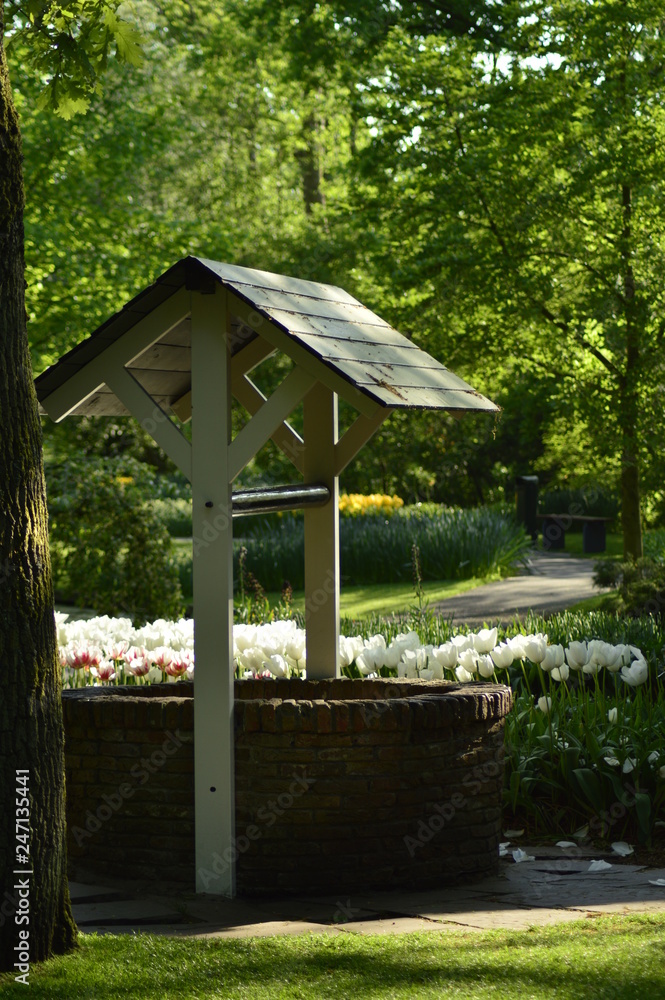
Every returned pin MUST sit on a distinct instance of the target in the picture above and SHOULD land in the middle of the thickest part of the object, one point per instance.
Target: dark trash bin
(526, 499)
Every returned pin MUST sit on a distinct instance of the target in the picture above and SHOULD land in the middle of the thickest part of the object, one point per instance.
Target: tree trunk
(309, 161)
(631, 521)
(31, 727)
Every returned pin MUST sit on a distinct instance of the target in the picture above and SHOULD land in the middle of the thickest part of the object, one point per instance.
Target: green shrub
(110, 549)
(589, 501)
(175, 514)
(641, 584)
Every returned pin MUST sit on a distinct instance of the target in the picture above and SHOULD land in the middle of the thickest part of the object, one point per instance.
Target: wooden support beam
(301, 356)
(285, 437)
(151, 417)
(87, 380)
(214, 769)
(358, 434)
(244, 361)
(322, 537)
(265, 422)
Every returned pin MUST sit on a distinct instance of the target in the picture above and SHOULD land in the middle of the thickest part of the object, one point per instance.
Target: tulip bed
(585, 738)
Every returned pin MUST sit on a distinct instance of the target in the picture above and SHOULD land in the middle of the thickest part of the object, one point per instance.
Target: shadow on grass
(619, 958)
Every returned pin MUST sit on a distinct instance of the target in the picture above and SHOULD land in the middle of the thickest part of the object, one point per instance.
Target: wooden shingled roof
(320, 326)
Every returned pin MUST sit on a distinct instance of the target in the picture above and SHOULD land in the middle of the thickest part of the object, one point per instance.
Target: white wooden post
(321, 536)
(214, 770)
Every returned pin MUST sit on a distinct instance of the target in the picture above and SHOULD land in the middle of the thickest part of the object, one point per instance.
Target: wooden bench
(593, 531)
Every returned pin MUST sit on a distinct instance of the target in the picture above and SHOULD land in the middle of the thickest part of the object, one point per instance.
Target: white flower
(613, 715)
(560, 673)
(277, 665)
(577, 655)
(612, 761)
(636, 674)
(535, 647)
(554, 657)
(598, 866)
(621, 848)
(545, 704)
(485, 665)
(484, 640)
(462, 675)
(502, 655)
(519, 855)
(462, 642)
(629, 765)
(446, 655)
(468, 659)
(653, 757)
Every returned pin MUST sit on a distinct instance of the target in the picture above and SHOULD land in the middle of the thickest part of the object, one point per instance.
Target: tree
(521, 192)
(70, 44)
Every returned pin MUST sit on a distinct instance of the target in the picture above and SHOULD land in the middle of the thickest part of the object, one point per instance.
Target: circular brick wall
(340, 785)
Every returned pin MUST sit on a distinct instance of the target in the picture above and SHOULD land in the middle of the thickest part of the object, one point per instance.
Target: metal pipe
(268, 499)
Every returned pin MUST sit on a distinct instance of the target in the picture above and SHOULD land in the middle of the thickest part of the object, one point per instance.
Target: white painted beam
(244, 361)
(285, 437)
(214, 768)
(322, 537)
(358, 434)
(249, 441)
(152, 418)
(86, 380)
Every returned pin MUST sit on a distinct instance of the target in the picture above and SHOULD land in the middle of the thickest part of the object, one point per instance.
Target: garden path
(549, 582)
(555, 887)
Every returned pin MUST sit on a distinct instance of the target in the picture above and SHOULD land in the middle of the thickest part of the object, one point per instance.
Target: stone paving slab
(131, 912)
(80, 893)
(539, 893)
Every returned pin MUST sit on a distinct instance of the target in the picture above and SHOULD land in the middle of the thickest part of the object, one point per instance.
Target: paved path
(555, 887)
(550, 582)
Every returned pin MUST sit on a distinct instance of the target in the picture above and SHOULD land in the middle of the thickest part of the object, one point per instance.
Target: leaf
(590, 787)
(643, 810)
(69, 106)
(127, 39)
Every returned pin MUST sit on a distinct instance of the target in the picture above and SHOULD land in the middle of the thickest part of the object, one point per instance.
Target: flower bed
(585, 739)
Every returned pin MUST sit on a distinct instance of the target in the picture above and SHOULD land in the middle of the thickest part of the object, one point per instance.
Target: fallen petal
(513, 833)
(657, 881)
(599, 866)
(622, 848)
(520, 855)
(566, 843)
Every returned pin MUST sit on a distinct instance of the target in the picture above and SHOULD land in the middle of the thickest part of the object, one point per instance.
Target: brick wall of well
(340, 785)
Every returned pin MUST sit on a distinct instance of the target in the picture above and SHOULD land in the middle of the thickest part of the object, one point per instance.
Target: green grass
(613, 546)
(389, 598)
(609, 957)
(599, 602)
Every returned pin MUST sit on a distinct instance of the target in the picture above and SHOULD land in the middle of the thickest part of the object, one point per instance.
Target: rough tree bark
(31, 726)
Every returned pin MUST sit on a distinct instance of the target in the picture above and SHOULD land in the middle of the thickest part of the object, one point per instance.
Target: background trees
(486, 176)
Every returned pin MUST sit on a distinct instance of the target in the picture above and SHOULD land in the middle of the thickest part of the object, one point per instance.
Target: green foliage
(110, 549)
(175, 513)
(454, 544)
(68, 43)
(591, 501)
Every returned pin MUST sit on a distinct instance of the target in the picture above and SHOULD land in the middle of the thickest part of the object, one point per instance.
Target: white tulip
(502, 655)
(485, 640)
(545, 704)
(277, 665)
(636, 674)
(468, 659)
(554, 657)
(446, 655)
(560, 673)
(485, 665)
(535, 647)
(612, 715)
(577, 655)
(462, 675)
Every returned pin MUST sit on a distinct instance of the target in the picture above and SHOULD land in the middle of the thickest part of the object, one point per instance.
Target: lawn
(610, 957)
(574, 542)
(390, 598)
